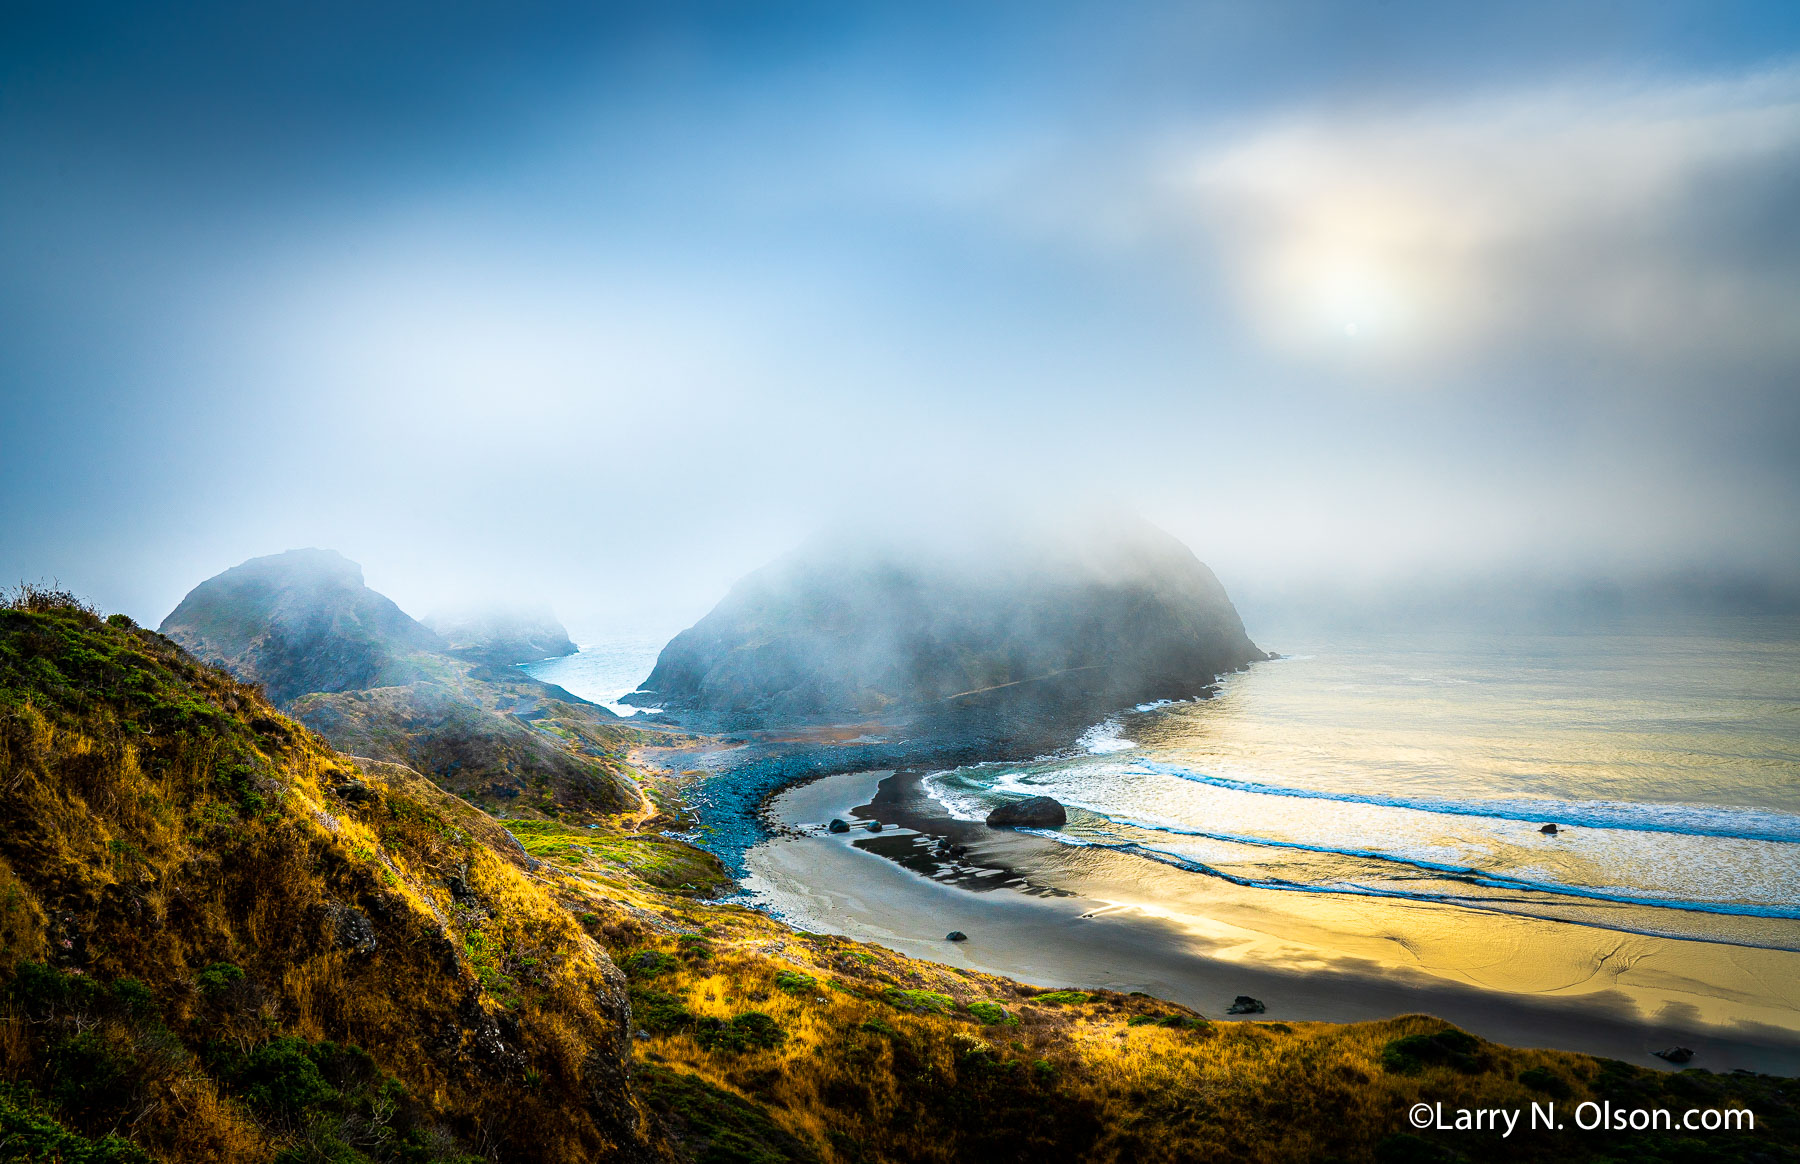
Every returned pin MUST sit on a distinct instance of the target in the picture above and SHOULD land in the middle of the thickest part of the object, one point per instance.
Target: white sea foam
(1105, 737)
(958, 803)
(1427, 767)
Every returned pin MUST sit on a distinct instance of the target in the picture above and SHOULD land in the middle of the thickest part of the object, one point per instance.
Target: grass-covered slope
(357, 669)
(501, 742)
(221, 940)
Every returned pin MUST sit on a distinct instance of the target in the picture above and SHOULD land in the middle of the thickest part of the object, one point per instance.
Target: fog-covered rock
(1028, 614)
(504, 637)
(298, 622)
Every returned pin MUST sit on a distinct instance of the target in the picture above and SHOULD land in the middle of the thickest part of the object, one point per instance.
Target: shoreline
(1047, 914)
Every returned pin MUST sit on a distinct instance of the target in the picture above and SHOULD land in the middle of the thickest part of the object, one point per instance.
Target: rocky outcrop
(361, 672)
(1019, 615)
(504, 638)
(298, 622)
(1034, 812)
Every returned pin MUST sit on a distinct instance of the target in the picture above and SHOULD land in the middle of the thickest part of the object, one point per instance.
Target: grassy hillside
(222, 940)
(499, 740)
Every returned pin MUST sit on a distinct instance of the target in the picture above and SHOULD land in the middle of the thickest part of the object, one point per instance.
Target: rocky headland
(976, 625)
(350, 664)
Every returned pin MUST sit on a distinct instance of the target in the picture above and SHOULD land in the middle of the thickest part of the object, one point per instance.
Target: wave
(1466, 901)
(1683, 819)
(1105, 737)
(1474, 875)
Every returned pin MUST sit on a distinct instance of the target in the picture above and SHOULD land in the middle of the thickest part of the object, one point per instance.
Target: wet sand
(1053, 915)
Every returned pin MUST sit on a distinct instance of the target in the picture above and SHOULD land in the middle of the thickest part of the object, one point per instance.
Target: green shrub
(795, 982)
(752, 1029)
(91, 1079)
(991, 1013)
(1446, 1048)
(650, 963)
(919, 1001)
(28, 1132)
(282, 1076)
(660, 1012)
(134, 997)
(1063, 998)
(716, 1126)
(218, 977)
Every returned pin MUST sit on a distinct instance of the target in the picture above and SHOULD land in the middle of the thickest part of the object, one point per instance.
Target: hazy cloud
(1638, 222)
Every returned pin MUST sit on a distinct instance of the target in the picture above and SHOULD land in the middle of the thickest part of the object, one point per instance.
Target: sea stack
(1050, 618)
(299, 622)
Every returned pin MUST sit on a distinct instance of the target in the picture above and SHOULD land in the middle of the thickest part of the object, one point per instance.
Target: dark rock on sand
(956, 936)
(873, 826)
(838, 825)
(1244, 1004)
(1034, 812)
(1549, 830)
(1675, 1054)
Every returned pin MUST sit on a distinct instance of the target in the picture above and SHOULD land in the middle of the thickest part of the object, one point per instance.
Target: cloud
(1626, 222)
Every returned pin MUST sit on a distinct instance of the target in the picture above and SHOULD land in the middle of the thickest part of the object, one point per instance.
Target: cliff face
(298, 622)
(357, 669)
(1101, 617)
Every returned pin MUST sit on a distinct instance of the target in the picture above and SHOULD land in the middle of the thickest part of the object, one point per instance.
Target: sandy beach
(1054, 915)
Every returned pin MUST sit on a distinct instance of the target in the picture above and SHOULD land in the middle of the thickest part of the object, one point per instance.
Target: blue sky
(604, 305)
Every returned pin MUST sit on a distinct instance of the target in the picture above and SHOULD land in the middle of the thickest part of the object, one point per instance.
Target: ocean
(1424, 766)
(605, 669)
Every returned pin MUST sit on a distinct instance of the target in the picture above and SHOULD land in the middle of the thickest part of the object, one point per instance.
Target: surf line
(1744, 825)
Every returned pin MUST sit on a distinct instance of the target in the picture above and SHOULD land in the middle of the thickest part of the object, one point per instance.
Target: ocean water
(1423, 766)
(605, 669)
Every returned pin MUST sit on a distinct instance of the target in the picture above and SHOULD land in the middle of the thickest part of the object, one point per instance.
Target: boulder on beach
(838, 825)
(873, 826)
(1034, 812)
(1244, 1004)
(1675, 1054)
(956, 936)
(1549, 830)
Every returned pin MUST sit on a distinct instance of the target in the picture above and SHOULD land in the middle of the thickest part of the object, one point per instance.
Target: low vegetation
(220, 940)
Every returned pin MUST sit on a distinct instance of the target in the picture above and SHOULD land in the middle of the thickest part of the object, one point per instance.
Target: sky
(603, 306)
